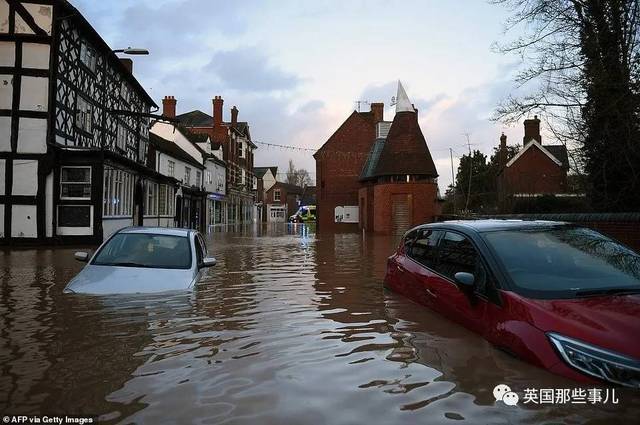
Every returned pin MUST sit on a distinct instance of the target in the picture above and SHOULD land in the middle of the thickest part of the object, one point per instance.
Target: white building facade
(73, 129)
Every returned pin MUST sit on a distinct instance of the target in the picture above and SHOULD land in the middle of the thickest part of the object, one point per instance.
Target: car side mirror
(208, 262)
(83, 257)
(465, 280)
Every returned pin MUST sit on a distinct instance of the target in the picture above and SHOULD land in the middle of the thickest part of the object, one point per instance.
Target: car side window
(457, 254)
(424, 247)
(199, 252)
(203, 245)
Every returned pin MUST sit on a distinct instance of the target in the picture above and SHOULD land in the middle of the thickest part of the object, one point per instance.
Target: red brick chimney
(234, 116)
(217, 111)
(169, 107)
(503, 151)
(532, 130)
(378, 112)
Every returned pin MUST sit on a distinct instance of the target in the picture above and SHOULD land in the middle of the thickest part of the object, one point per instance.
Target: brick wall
(423, 203)
(535, 172)
(338, 166)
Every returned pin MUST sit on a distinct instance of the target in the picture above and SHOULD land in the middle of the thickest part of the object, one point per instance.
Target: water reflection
(287, 328)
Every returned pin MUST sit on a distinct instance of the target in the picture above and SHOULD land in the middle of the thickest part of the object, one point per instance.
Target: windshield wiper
(607, 291)
(125, 264)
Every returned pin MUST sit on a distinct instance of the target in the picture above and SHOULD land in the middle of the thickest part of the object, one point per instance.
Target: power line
(290, 147)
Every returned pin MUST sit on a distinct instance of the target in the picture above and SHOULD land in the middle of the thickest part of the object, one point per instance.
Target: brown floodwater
(289, 327)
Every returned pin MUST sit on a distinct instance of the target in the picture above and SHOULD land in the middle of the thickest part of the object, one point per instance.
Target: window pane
(423, 248)
(457, 254)
(73, 190)
(74, 216)
(75, 175)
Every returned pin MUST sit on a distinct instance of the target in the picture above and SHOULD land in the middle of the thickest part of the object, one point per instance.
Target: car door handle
(431, 293)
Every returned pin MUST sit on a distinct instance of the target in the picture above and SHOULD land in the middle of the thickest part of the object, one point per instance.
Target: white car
(143, 260)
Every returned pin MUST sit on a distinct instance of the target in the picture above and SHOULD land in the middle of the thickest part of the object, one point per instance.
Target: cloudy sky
(295, 68)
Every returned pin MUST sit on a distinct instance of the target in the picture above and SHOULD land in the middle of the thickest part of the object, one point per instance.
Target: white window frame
(171, 168)
(277, 195)
(118, 185)
(74, 231)
(76, 198)
(198, 178)
(187, 176)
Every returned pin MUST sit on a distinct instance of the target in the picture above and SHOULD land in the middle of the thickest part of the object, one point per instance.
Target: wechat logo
(504, 394)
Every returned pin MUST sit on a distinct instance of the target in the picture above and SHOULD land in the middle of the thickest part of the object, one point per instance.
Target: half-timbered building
(74, 129)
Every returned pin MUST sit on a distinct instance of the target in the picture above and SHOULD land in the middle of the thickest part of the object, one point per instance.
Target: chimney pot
(169, 107)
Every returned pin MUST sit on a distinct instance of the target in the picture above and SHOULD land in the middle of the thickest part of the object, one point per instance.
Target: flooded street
(287, 328)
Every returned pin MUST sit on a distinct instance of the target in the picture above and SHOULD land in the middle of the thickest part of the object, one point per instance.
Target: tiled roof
(290, 188)
(195, 119)
(261, 171)
(172, 149)
(560, 152)
(405, 150)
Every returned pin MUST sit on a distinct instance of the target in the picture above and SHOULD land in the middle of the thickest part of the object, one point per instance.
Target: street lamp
(132, 51)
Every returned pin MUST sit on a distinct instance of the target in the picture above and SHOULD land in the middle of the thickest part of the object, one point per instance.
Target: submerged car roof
(170, 231)
(489, 225)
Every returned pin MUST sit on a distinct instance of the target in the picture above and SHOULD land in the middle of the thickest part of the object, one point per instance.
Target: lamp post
(132, 51)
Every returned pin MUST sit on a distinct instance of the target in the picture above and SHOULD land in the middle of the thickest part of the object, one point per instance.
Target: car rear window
(145, 250)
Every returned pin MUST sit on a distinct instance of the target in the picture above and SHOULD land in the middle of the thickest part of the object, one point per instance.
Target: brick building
(537, 169)
(235, 139)
(376, 175)
(282, 201)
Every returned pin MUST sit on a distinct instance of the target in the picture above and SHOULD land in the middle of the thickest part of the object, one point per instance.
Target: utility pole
(453, 181)
(466, 207)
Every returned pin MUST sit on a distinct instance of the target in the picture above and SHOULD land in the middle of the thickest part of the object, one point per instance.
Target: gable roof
(195, 118)
(261, 171)
(405, 151)
(560, 152)
(365, 116)
(172, 149)
(531, 144)
(74, 14)
(290, 188)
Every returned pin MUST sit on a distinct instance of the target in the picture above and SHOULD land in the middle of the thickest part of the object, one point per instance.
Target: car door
(419, 264)
(457, 253)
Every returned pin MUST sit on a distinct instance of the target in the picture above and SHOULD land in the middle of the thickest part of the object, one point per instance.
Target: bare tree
(297, 176)
(581, 74)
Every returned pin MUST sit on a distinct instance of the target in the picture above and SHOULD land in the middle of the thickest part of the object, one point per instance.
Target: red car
(562, 297)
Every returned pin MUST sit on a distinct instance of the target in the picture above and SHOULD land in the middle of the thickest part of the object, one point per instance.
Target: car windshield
(566, 262)
(145, 250)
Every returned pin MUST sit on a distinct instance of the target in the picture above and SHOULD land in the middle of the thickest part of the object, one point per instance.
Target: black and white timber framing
(74, 130)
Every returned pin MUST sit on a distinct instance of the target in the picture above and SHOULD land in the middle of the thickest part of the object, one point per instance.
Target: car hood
(102, 280)
(610, 322)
